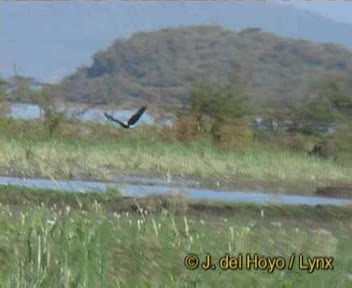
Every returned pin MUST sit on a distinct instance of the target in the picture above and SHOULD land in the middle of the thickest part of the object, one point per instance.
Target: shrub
(233, 134)
(290, 141)
(185, 129)
(325, 149)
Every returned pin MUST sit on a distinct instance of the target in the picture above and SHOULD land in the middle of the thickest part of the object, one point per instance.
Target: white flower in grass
(23, 218)
(139, 224)
(155, 227)
(232, 233)
(51, 222)
(70, 235)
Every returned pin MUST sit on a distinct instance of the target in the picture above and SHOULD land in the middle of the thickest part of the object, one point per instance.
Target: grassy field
(86, 149)
(54, 239)
(65, 158)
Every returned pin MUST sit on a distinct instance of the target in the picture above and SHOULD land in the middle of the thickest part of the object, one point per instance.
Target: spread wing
(135, 117)
(108, 116)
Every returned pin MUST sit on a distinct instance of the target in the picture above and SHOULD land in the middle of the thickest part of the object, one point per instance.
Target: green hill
(161, 66)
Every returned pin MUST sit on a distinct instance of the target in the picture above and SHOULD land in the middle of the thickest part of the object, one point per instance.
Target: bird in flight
(130, 122)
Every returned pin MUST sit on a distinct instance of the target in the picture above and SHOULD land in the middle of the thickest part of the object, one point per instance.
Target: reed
(70, 246)
(68, 158)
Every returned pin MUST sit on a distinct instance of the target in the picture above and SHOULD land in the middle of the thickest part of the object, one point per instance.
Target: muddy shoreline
(341, 191)
(155, 179)
(152, 177)
(141, 188)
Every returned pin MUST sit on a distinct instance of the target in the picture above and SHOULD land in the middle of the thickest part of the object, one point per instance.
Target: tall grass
(94, 150)
(64, 158)
(46, 247)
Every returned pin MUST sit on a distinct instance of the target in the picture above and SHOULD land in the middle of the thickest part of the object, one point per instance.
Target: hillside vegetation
(161, 66)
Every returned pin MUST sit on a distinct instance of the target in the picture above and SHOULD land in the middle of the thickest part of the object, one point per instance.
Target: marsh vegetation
(58, 239)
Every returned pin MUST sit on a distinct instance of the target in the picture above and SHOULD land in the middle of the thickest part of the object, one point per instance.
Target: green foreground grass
(65, 158)
(55, 239)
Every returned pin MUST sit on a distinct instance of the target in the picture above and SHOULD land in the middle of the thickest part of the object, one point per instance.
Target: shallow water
(24, 111)
(135, 186)
(31, 111)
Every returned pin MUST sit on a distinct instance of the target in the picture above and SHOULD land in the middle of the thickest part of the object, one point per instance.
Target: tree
(43, 100)
(49, 113)
(218, 103)
(340, 102)
(324, 105)
(215, 106)
(3, 106)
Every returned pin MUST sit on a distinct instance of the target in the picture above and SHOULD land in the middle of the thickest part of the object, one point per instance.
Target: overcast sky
(31, 34)
(337, 10)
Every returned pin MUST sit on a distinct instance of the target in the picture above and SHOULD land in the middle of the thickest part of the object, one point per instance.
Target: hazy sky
(48, 39)
(337, 10)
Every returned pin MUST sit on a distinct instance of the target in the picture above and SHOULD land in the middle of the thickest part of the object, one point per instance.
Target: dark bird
(130, 122)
